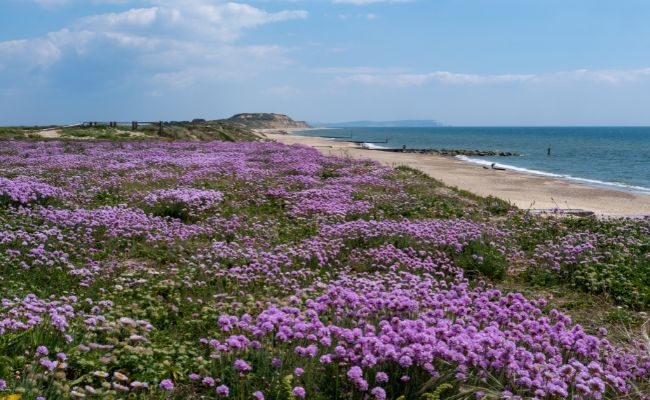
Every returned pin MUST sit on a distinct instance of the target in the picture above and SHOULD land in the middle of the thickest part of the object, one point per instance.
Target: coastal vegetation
(169, 269)
(195, 130)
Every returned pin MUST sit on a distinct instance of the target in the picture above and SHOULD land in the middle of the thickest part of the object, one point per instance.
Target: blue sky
(461, 62)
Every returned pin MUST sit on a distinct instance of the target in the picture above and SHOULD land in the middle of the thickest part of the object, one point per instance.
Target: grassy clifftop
(207, 130)
(237, 128)
(176, 130)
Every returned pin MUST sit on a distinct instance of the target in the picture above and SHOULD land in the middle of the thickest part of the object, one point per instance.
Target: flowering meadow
(189, 270)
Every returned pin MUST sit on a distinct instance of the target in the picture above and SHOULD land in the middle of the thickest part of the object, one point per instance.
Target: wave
(592, 182)
(373, 146)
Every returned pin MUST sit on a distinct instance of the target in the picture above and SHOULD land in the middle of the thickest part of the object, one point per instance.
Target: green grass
(210, 130)
(183, 130)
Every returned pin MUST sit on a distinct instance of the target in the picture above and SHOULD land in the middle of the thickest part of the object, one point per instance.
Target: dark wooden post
(160, 130)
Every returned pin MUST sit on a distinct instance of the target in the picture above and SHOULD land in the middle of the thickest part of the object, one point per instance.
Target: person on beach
(548, 151)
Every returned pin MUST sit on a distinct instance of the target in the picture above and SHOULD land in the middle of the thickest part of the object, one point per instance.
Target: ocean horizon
(610, 157)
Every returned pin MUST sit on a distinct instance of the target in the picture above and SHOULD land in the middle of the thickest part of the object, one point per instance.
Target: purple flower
(48, 364)
(167, 384)
(42, 351)
(405, 361)
(298, 371)
(208, 381)
(242, 366)
(3, 384)
(596, 385)
(258, 395)
(378, 393)
(355, 373)
(299, 392)
(223, 391)
(381, 377)
(325, 359)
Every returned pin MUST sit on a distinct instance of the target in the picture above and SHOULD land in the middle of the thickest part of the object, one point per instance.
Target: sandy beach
(525, 191)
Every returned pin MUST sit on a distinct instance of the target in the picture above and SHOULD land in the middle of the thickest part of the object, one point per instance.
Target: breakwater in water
(454, 152)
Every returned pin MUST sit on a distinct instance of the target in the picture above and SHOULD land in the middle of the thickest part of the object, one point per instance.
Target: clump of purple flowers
(223, 391)
(23, 190)
(194, 200)
(242, 366)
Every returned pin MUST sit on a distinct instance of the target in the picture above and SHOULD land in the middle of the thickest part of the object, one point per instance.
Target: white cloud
(169, 37)
(368, 76)
(38, 53)
(111, 1)
(199, 19)
(614, 77)
(405, 80)
(137, 17)
(228, 20)
(60, 3)
(359, 70)
(370, 16)
(220, 63)
(366, 2)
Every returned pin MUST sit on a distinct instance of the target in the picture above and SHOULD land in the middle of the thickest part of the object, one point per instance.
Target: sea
(611, 157)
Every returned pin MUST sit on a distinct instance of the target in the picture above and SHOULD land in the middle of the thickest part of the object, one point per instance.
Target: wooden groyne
(366, 141)
(455, 152)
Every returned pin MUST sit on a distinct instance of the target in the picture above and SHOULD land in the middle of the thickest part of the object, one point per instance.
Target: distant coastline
(380, 124)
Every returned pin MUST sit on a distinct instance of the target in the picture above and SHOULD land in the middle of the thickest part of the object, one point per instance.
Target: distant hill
(265, 121)
(383, 124)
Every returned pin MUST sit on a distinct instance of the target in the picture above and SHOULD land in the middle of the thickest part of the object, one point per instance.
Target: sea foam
(592, 182)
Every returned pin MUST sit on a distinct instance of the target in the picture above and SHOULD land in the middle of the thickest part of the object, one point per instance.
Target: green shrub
(480, 258)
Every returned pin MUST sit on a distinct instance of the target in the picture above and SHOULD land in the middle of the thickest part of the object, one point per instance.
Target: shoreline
(525, 191)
